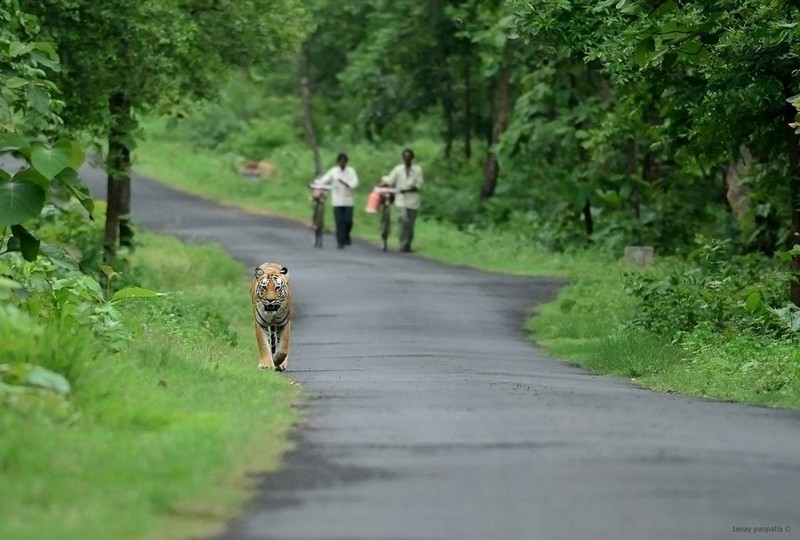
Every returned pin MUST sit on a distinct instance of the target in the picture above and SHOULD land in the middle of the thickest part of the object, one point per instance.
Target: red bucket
(373, 202)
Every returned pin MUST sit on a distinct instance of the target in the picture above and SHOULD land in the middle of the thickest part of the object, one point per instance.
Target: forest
(553, 134)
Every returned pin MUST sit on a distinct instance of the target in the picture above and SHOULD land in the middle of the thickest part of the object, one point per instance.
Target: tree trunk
(634, 199)
(467, 111)
(125, 226)
(118, 167)
(587, 219)
(737, 192)
(794, 191)
(502, 104)
(448, 109)
(307, 98)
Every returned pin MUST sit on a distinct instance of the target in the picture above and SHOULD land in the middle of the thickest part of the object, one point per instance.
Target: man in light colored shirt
(342, 180)
(406, 178)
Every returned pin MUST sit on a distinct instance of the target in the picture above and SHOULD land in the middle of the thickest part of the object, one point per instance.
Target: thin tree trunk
(467, 110)
(737, 192)
(307, 97)
(794, 192)
(118, 167)
(448, 109)
(125, 226)
(502, 103)
(587, 219)
(634, 200)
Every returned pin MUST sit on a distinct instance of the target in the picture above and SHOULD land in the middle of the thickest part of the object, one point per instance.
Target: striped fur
(272, 310)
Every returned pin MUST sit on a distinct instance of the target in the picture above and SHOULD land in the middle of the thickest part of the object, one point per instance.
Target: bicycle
(318, 195)
(386, 195)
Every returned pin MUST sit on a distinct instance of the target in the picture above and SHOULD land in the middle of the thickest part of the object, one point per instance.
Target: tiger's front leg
(264, 349)
(282, 352)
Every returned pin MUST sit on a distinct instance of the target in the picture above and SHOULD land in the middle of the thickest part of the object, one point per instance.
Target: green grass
(586, 324)
(158, 435)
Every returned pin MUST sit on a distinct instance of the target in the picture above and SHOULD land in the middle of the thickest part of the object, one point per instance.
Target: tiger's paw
(265, 366)
(281, 367)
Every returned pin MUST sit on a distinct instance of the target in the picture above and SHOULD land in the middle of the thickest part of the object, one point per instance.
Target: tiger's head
(270, 286)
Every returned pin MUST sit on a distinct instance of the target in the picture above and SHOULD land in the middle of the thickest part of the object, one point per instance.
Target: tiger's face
(271, 286)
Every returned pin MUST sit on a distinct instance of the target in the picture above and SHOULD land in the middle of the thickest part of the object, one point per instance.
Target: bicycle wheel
(319, 223)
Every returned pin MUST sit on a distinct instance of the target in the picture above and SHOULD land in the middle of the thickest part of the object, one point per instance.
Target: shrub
(716, 290)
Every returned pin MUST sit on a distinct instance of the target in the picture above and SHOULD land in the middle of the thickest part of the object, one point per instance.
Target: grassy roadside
(587, 323)
(153, 430)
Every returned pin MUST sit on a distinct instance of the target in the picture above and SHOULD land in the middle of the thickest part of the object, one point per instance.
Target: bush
(716, 290)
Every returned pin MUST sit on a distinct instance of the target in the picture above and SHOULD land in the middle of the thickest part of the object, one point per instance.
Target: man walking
(406, 178)
(343, 180)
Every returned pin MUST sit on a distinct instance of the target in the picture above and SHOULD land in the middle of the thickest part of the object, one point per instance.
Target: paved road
(431, 416)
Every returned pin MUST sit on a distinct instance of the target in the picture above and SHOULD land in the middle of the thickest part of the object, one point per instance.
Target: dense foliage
(125, 58)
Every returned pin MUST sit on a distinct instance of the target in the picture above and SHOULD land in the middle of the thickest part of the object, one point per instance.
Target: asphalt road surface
(429, 415)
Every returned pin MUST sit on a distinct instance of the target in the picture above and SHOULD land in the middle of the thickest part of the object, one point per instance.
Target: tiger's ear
(284, 270)
(259, 272)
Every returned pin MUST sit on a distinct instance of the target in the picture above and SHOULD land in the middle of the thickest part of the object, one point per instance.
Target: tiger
(272, 309)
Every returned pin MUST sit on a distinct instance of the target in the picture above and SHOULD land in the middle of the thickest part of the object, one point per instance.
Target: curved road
(429, 415)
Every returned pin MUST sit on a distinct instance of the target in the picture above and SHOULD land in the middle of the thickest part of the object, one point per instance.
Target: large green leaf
(33, 176)
(51, 161)
(28, 244)
(134, 292)
(19, 201)
(12, 141)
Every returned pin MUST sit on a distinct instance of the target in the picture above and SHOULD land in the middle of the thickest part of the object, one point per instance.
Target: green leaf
(12, 141)
(6, 121)
(18, 49)
(669, 59)
(16, 82)
(46, 61)
(109, 271)
(644, 51)
(28, 244)
(77, 155)
(753, 301)
(134, 292)
(51, 161)
(19, 201)
(33, 176)
(69, 178)
(46, 47)
(39, 100)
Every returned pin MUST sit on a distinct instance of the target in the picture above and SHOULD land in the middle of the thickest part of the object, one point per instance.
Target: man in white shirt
(342, 180)
(406, 178)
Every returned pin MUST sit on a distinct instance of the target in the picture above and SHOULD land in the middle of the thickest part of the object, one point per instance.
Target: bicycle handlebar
(323, 187)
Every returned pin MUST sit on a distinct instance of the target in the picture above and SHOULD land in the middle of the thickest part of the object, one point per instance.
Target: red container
(373, 202)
